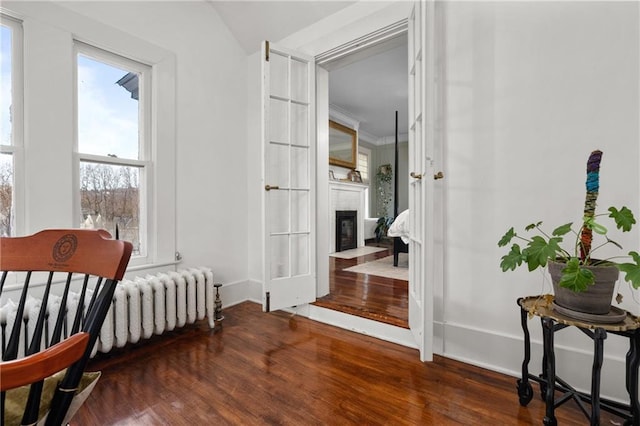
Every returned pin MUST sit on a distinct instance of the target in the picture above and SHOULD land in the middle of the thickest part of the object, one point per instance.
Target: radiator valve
(218, 317)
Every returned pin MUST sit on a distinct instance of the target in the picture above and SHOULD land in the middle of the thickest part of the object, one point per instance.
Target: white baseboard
(483, 348)
(240, 291)
(504, 354)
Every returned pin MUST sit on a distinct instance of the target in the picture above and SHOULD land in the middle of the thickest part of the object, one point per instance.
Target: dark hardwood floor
(277, 369)
(368, 296)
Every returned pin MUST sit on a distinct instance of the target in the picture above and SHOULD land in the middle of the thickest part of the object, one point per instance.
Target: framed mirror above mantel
(343, 145)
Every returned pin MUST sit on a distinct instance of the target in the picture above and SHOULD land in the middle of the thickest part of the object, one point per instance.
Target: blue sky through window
(107, 115)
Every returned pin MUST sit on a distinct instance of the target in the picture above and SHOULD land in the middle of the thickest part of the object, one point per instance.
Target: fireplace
(346, 229)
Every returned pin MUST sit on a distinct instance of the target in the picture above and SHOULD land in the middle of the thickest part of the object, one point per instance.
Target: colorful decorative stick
(593, 186)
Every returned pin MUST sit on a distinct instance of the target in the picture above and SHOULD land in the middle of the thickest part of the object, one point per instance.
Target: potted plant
(382, 226)
(582, 283)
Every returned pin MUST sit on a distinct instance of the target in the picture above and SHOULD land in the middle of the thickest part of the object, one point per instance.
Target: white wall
(255, 182)
(46, 168)
(211, 120)
(531, 90)
(211, 117)
(360, 19)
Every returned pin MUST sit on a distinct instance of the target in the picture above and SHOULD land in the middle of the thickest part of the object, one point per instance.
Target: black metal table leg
(543, 373)
(550, 373)
(598, 353)
(632, 363)
(525, 391)
(552, 385)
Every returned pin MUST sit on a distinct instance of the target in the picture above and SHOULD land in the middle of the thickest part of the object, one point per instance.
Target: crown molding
(343, 117)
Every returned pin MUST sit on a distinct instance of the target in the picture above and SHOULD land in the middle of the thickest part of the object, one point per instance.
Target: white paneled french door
(421, 180)
(288, 203)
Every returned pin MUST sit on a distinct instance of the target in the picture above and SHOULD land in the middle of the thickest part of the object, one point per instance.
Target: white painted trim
(319, 39)
(289, 287)
(343, 117)
(498, 352)
(365, 179)
(146, 146)
(16, 149)
(504, 353)
(367, 137)
(372, 39)
(387, 332)
(51, 29)
(240, 291)
(90, 31)
(322, 182)
(358, 20)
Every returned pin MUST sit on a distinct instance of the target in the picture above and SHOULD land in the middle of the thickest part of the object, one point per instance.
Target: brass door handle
(415, 175)
(269, 187)
(438, 175)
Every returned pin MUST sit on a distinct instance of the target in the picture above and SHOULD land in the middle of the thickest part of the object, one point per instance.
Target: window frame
(48, 197)
(367, 152)
(144, 163)
(16, 147)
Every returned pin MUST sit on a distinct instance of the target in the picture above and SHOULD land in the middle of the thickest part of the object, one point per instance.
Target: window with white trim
(364, 157)
(113, 144)
(11, 120)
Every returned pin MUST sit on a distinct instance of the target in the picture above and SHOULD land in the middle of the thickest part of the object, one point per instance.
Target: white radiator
(150, 305)
(141, 307)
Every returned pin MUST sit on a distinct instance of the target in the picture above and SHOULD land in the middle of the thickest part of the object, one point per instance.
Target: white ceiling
(254, 21)
(370, 90)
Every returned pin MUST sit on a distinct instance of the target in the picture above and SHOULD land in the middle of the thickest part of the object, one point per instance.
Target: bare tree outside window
(110, 145)
(6, 195)
(6, 130)
(111, 193)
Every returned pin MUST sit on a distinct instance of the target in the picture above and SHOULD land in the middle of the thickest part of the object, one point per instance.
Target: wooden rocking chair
(42, 271)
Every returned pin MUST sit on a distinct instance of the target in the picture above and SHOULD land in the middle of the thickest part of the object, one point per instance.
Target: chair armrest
(36, 367)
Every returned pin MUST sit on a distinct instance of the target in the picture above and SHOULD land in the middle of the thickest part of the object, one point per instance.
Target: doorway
(365, 89)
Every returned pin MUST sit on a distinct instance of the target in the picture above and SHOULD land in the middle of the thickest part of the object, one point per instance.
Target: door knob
(438, 175)
(415, 175)
(269, 187)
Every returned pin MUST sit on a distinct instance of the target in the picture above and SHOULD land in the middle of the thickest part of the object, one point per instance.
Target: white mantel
(346, 196)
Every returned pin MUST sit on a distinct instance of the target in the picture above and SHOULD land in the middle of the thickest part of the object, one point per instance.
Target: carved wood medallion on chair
(40, 274)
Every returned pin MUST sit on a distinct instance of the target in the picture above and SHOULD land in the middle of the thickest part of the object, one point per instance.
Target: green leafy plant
(382, 226)
(384, 177)
(542, 247)
(383, 189)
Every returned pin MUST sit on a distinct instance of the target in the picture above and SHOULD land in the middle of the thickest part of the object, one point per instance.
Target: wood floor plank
(278, 369)
(369, 296)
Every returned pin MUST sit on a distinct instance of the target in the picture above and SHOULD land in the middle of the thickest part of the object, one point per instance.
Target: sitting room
(195, 136)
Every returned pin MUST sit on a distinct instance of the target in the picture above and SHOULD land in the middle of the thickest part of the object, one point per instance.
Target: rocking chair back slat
(84, 267)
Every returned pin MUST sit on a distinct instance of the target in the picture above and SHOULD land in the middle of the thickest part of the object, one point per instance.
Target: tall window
(6, 194)
(10, 116)
(364, 154)
(113, 144)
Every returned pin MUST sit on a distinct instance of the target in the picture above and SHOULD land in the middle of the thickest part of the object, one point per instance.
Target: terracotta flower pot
(596, 299)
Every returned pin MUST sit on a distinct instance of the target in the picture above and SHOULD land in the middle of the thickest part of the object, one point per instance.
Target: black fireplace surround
(346, 229)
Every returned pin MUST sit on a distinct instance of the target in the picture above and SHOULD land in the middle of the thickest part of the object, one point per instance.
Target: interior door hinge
(268, 302)
(266, 50)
